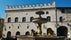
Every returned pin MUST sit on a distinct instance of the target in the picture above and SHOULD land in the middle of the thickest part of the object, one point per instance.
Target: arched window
(31, 18)
(47, 12)
(9, 19)
(16, 19)
(61, 19)
(8, 34)
(48, 18)
(17, 33)
(23, 19)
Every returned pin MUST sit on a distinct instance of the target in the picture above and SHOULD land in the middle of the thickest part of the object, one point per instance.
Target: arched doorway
(27, 33)
(49, 30)
(62, 31)
(8, 34)
(17, 33)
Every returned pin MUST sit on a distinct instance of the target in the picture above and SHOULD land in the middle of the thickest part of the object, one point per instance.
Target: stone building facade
(18, 20)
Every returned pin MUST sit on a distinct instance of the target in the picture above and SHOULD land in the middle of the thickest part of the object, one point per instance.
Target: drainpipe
(56, 20)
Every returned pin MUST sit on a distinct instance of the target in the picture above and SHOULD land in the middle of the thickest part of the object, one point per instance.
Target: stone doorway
(50, 32)
(62, 31)
(18, 33)
(27, 33)
(8, 34)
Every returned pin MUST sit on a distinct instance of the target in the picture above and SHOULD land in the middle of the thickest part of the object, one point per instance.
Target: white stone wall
(23, 25)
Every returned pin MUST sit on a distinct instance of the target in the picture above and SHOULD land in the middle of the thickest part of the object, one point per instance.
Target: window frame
(16, 19)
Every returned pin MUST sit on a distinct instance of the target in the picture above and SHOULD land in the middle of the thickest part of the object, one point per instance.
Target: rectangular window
(63, 10)
(66, 10)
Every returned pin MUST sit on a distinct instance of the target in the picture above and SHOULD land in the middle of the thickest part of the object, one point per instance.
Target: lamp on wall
(68, 35)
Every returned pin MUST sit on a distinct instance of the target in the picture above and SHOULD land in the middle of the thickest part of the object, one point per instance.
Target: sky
(4, 3)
